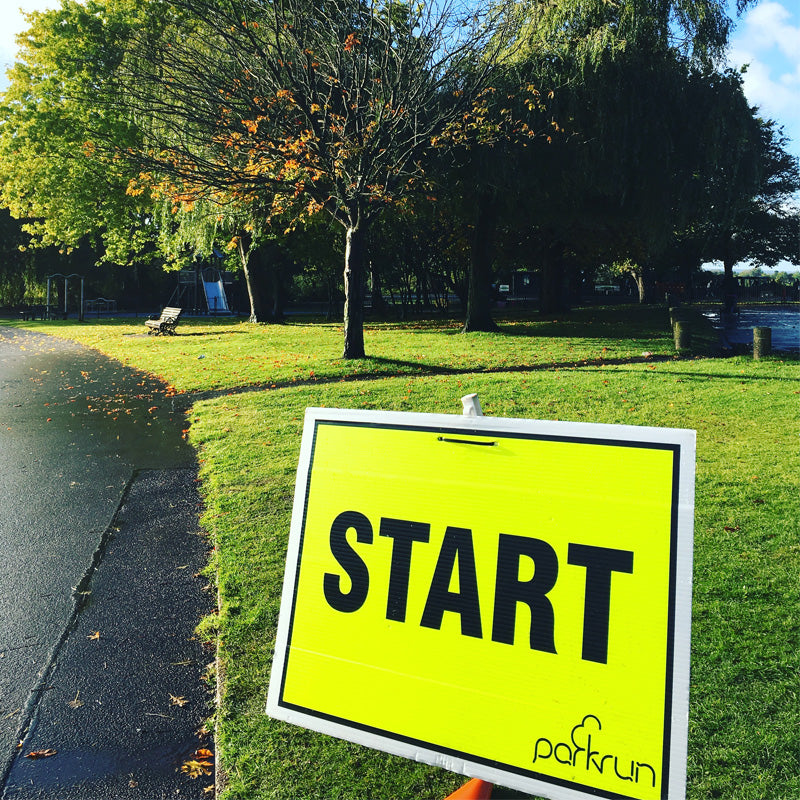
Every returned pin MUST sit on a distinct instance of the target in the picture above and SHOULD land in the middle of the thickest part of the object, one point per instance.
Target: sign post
(508, 599)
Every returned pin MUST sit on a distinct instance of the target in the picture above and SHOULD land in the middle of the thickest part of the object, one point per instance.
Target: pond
(736, 329)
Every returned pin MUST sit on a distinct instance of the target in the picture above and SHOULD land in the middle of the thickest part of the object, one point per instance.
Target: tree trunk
(641, 288)
(479, 300)
(277, 292)
(729, 287)
(552, 298)
(256, 307)
(379, 306)
(354, 292)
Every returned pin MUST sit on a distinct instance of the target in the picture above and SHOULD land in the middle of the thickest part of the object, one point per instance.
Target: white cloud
(769, 25)
(767, 39)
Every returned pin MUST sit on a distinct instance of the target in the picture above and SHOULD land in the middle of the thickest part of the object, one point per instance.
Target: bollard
(677, 314)
(682, 332)
(762, 342)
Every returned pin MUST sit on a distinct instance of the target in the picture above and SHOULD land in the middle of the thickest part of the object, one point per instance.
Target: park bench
(165, 323)
(32, 312)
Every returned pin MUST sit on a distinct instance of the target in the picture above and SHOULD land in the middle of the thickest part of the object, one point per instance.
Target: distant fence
(762, 289)
(99, 306)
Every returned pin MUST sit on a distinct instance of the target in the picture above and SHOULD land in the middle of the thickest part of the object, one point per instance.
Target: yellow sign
(506, 598)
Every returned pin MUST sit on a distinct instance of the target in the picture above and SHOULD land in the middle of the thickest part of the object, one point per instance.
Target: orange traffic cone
(476, 789)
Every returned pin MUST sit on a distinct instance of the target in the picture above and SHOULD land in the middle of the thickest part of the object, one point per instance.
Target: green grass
(745, 708)
(210, 354)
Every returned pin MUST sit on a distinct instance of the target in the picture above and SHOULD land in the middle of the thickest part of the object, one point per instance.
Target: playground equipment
(198, 287)
(216, 300)
(51, 311)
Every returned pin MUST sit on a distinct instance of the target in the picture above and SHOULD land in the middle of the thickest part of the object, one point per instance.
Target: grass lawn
(247, 388)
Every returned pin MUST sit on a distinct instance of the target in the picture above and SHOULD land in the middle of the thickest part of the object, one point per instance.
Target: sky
(12, 22)
(767, 39)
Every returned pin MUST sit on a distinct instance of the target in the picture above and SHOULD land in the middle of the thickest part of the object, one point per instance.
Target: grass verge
(249, 387)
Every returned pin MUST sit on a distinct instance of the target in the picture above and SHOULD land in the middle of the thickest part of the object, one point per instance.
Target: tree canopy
(322, 106)
(53, 174)
(553, 137)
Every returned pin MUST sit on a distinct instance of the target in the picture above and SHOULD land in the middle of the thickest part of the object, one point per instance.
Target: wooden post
(676, 314)
(762, 342)
(682, 333)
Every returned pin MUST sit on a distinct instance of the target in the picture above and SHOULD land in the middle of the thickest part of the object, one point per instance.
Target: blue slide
(215, 297)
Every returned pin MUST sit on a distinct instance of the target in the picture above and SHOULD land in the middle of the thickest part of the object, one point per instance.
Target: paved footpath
(100, 550)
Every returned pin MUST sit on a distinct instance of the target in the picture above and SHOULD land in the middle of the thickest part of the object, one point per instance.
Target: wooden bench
(165, 323)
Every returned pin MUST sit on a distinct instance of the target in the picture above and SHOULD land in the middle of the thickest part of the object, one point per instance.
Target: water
(736, 330)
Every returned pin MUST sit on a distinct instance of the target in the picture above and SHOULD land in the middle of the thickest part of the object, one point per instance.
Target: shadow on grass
(184, 334)
(686, 377)
(405, 369)
(422, 370)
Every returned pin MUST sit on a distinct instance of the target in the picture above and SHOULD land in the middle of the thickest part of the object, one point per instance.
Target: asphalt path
(100, 591)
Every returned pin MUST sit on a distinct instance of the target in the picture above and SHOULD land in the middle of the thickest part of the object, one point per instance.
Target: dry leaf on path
(177, 701)
(42, 753)
(195, 769)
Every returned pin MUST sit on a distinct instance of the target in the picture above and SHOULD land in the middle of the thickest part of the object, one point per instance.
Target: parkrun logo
(578, 754)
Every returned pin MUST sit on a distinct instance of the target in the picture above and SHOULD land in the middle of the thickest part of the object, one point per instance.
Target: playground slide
(215, 296)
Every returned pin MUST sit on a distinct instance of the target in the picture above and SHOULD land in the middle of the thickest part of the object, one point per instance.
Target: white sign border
(674, 787)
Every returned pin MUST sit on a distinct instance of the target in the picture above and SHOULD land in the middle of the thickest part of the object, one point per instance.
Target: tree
(624, 178)
(52, 175)
(19, 277)
(753, 219)
(330, 103)
(494, 144)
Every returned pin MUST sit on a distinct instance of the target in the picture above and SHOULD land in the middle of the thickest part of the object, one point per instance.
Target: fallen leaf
(94, 635)
(75, 702)
(731, 528)
(42, 753)
(203, 753)
(195, 769)
(177, 701)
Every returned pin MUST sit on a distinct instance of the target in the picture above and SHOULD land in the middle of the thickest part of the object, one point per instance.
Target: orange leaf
(42, 753)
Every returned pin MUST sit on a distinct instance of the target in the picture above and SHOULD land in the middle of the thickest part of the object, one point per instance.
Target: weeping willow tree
(636, 90)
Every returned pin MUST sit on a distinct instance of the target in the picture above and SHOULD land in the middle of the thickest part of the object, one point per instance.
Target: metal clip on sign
(472, 406)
